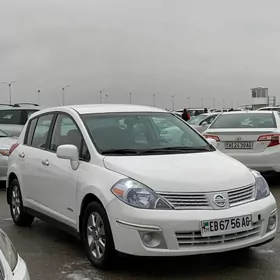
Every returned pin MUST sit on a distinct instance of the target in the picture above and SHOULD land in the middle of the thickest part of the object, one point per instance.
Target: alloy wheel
(16, 203)
(96, 235)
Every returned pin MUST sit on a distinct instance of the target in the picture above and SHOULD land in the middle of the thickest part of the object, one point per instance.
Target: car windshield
(196, 120)
(245, 120)
(143, 133)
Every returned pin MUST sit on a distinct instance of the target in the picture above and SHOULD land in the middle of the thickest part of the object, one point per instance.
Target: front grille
(187, 200)
(195, 239)
(241, 195)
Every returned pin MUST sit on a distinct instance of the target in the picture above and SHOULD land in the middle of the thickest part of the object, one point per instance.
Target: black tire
(19, 216)
(109, 253)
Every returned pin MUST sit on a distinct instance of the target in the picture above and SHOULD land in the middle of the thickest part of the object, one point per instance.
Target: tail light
(274, 139)
(13, 147)
(215, 137)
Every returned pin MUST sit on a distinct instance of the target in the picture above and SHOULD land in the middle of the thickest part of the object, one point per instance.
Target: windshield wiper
(178, 149)
(162, 150)
(121, 152)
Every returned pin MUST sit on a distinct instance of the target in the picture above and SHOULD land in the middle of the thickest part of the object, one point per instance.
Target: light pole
(154, 99)
(63, 94)
(130, 97)
(10, 90)
(214, 103)
(189, 102)
(101, 95)
(202, 104)
(39, 91)
(173, 102)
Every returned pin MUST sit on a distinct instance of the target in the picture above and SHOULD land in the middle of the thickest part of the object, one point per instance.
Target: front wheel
(97, 236)
(19, 216)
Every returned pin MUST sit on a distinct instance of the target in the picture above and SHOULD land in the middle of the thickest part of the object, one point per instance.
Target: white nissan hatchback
(106, 174)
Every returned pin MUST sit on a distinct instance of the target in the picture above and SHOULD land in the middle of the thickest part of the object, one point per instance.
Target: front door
(60, 180)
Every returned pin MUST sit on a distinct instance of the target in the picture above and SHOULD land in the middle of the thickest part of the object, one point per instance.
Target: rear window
(248, 120)
(10, 117)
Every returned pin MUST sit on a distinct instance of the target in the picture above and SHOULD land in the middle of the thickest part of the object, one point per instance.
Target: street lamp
(39, 91)
(63, 94)
(10, 90)
(101, 95)
(154, 99)
(189, 102)
(173, 102)
(130, 97)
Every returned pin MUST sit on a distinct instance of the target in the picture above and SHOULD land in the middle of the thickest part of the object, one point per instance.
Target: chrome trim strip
(137, 226)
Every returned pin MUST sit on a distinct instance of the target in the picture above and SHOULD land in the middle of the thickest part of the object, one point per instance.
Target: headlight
(262, 188)
(138, 195)
(8, 250)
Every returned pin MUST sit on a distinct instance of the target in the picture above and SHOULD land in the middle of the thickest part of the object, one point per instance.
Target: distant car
(14, 117)
(6, 141)
(269, 109)
(201, 122)
(192, 111)
(12, 266)
(252, 137)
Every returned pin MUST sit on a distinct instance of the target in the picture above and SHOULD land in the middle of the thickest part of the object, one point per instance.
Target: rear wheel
(20, 217)
(97, 236)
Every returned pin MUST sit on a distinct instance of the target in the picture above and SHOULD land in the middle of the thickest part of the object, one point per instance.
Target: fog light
(272, 221)
(153, 240)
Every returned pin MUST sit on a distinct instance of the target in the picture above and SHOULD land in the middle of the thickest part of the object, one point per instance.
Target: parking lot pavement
(52, 254)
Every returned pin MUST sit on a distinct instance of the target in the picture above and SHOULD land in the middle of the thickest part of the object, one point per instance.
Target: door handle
(46, 162)
(21, 155)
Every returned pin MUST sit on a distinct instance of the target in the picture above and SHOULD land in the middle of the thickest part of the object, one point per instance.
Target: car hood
(196, 172)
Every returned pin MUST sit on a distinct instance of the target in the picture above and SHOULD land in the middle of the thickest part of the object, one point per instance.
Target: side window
(30, 132)
(41, 131)
(10, 117)
(85, 155)
(65, 132)
(29, 113)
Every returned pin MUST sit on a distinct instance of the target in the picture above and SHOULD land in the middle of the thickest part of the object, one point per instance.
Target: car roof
(246, 112)
(106, 108)
(268, 108)
(4, 107)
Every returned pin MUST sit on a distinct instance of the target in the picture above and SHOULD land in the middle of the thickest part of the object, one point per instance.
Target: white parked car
(12, 266)
(272, 108)
(104, 173)
(251, 137)
(202, 122)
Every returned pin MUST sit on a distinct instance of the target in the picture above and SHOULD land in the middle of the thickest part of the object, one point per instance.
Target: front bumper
(128, 225)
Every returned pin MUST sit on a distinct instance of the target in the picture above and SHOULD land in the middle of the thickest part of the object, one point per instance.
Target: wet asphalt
(53, 254)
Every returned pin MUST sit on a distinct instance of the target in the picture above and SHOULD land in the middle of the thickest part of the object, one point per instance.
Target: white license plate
(224, 226)
(239, 145)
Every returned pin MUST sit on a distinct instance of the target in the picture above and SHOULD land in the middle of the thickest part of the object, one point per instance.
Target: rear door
(249, 132)
(32, 154)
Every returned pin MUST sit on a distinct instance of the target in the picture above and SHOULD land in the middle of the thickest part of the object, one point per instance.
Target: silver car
(201, 122)
(14, 117)
(6, 142)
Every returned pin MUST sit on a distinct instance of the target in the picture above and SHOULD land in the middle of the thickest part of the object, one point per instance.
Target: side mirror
(212, 141)
(204, 124)
(69, 152)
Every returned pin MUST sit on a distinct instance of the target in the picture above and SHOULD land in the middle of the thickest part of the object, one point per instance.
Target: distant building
(259, 97)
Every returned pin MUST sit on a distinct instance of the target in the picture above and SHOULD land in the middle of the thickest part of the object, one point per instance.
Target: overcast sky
(198, 49)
